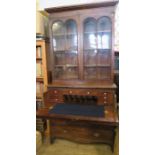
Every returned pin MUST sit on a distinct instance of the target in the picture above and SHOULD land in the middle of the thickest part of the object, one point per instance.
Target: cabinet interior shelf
(98, 49)
(65, 34)
(66, 65)
(96, 65)
(96, 32)
(65, 51)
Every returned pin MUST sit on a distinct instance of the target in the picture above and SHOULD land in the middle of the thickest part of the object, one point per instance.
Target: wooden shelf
(96, 65)
(96, 32)
(40, 79)
(71, 34)
(65, 34)
(107, 65)
(90, 32)
(89, 49)
(66, 51)
(98, 49)
(41, 68)
(66, 65)
(39, 99)
(39, 96)
(69, 77)
(104, 31)
(59, 35)
(38, 58)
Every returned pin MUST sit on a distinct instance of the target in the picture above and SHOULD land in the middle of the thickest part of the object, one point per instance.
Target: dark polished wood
(110, 117)
(80, 7)
(104, 94)
(81, 128)
(82, 54)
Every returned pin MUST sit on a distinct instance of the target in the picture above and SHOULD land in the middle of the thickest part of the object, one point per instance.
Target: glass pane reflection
(103, 40)
(104, 33)
(58, 28)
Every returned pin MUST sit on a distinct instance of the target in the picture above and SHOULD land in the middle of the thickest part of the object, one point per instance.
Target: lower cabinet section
(82, 132)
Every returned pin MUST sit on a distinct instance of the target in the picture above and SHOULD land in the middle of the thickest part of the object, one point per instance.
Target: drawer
(71, 91)
(80, 92)
(56, 100)
(106, 98)
(55, 95)
(63, 122)
(83, 134)
(55, 91)
(89, 92)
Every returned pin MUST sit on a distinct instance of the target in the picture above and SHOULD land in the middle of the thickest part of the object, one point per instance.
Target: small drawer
(88, 92)
(55, 92)
(71, 92)
(56, 100)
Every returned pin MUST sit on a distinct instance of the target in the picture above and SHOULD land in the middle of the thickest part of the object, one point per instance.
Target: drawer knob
(65, 131)
(96, 134)
(70, 92)
(105, 97)
(55, 91)
(88, 92)
(105, 93)
(56, 99)
(105, 101)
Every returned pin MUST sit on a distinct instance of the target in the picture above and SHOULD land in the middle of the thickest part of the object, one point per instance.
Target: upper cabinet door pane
(90, 33)
(90, 25)
(71, 27)
(58, 32)
(104, 33)
(104, 24)
(58, 28)
(71, 35)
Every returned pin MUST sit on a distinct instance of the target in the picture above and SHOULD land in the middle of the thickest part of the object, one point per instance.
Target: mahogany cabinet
(82, 54)
(82, 43)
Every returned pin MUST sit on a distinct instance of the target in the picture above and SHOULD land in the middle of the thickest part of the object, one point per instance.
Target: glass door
(90, 46)
(104, 47)
(97, 48)
(65, 50)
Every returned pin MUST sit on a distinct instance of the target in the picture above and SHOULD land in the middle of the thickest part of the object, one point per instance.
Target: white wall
(57, 3)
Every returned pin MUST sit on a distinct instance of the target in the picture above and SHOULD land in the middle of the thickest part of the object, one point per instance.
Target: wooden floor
(64, 147)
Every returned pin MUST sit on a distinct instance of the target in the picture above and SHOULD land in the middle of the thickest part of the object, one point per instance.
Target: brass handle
(96, 134)
(55, 91)
(88, 92)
